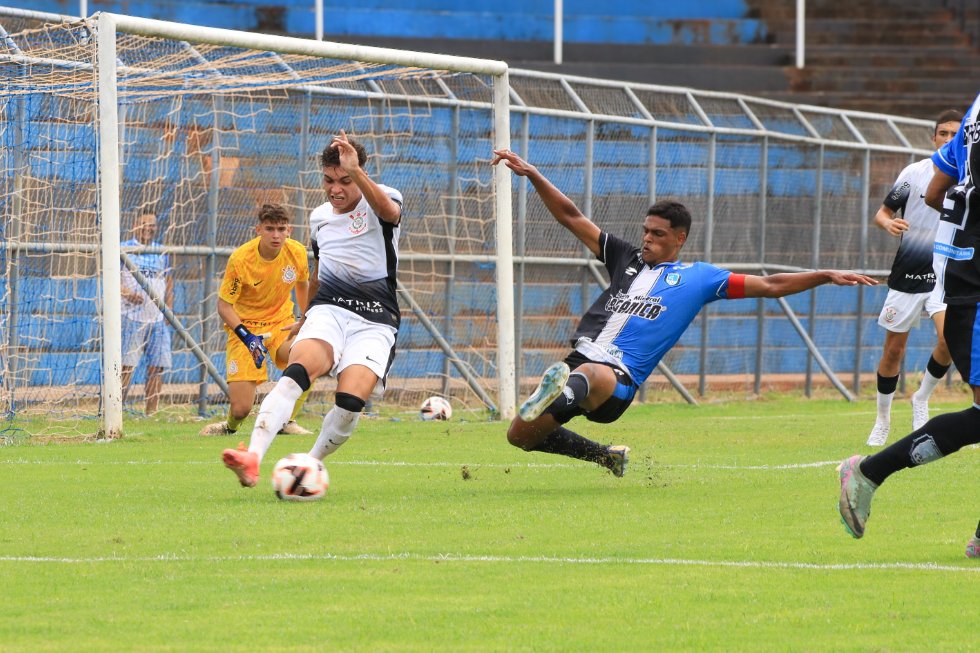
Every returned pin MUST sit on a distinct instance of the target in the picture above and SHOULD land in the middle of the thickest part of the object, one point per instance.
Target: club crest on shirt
(889, 314)
(358, 222)
(672, 279)
(288, 274)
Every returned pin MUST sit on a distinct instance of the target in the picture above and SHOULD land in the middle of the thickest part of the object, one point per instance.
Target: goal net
(109, 119)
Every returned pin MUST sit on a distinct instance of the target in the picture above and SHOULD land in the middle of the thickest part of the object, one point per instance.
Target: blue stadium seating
(629, 21)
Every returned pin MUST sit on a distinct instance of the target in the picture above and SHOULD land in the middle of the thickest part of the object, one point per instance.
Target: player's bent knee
(518, 435)
(298, 373)
(240, 412)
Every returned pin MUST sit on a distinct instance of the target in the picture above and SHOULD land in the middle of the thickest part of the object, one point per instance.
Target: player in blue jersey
(957, 237)
(651, 300)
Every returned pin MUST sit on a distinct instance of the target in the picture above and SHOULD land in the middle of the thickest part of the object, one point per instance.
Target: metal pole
(585, 287)
(863, 262)
(521, 249)
(208, 303)
(318, 13)
(559, 23)
(452, 191)
(800, 32)
(815, 263)
(709, 226)
(761, 302)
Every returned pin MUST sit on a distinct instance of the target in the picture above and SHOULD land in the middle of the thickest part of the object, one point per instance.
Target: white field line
(397, 463)
(548, 560)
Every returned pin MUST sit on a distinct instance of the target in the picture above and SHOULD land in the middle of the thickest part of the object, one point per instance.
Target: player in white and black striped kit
(651, 299)
(911, 284)
(957, 240)
(350, 326)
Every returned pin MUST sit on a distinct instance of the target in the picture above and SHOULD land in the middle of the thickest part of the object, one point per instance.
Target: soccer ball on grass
(436, 408)
(300, 477)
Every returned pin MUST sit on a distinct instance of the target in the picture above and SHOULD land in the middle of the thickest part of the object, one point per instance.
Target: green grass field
(723, 536)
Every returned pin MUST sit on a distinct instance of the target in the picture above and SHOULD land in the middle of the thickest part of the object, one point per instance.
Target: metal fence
(772, 186)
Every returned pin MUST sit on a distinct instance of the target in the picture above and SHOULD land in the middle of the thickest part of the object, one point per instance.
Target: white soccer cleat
(879, 434)
(218, 428)
(292, 428)
(920, 414)
(552, 384)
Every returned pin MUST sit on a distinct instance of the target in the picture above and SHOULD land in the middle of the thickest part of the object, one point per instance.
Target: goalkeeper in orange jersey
(254, 303)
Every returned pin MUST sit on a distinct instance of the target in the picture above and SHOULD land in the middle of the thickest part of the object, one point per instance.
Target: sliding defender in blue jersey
(651, 300)
(955, 263)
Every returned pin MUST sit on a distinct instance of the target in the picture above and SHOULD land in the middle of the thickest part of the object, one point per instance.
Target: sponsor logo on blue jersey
(955, 253)
(649, 308)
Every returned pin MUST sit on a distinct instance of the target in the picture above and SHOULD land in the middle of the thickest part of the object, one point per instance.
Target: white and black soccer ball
(300, 477)
(436, 408)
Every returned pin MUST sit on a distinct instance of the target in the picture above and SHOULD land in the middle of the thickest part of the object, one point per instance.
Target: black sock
(887, 384)
(978, 530)
(575, 391)
(568, 443)
(941, 436)
(936, 369)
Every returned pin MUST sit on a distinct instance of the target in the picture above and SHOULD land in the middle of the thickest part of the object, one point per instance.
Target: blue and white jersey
(646, 309)
(155, 267)
(958, 235)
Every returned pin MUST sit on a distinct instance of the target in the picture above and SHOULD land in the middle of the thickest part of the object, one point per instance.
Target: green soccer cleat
(552, 384)
(973, 547)
(856, 493)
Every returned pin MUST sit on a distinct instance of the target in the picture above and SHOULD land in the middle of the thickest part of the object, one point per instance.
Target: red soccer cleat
(244, 463)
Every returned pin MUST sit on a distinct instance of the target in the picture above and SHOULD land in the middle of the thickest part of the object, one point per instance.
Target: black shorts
(611, 409)
(961, 331)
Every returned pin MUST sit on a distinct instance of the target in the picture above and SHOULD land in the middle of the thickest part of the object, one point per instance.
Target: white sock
(338, 425)
(885, 407)
(929, 383)
(273, 413)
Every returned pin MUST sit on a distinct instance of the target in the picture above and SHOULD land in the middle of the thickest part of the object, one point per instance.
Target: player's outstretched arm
(564, 209)
(789, 283)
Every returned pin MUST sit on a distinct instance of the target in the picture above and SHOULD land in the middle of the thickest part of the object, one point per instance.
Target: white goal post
(109, 187)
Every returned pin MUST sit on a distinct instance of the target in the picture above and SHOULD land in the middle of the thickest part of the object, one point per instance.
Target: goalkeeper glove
(254, 343)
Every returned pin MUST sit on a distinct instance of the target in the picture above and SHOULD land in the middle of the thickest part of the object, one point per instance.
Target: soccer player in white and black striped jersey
(955, 263)
(651, 299)
(911, 284)
(352, 320)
